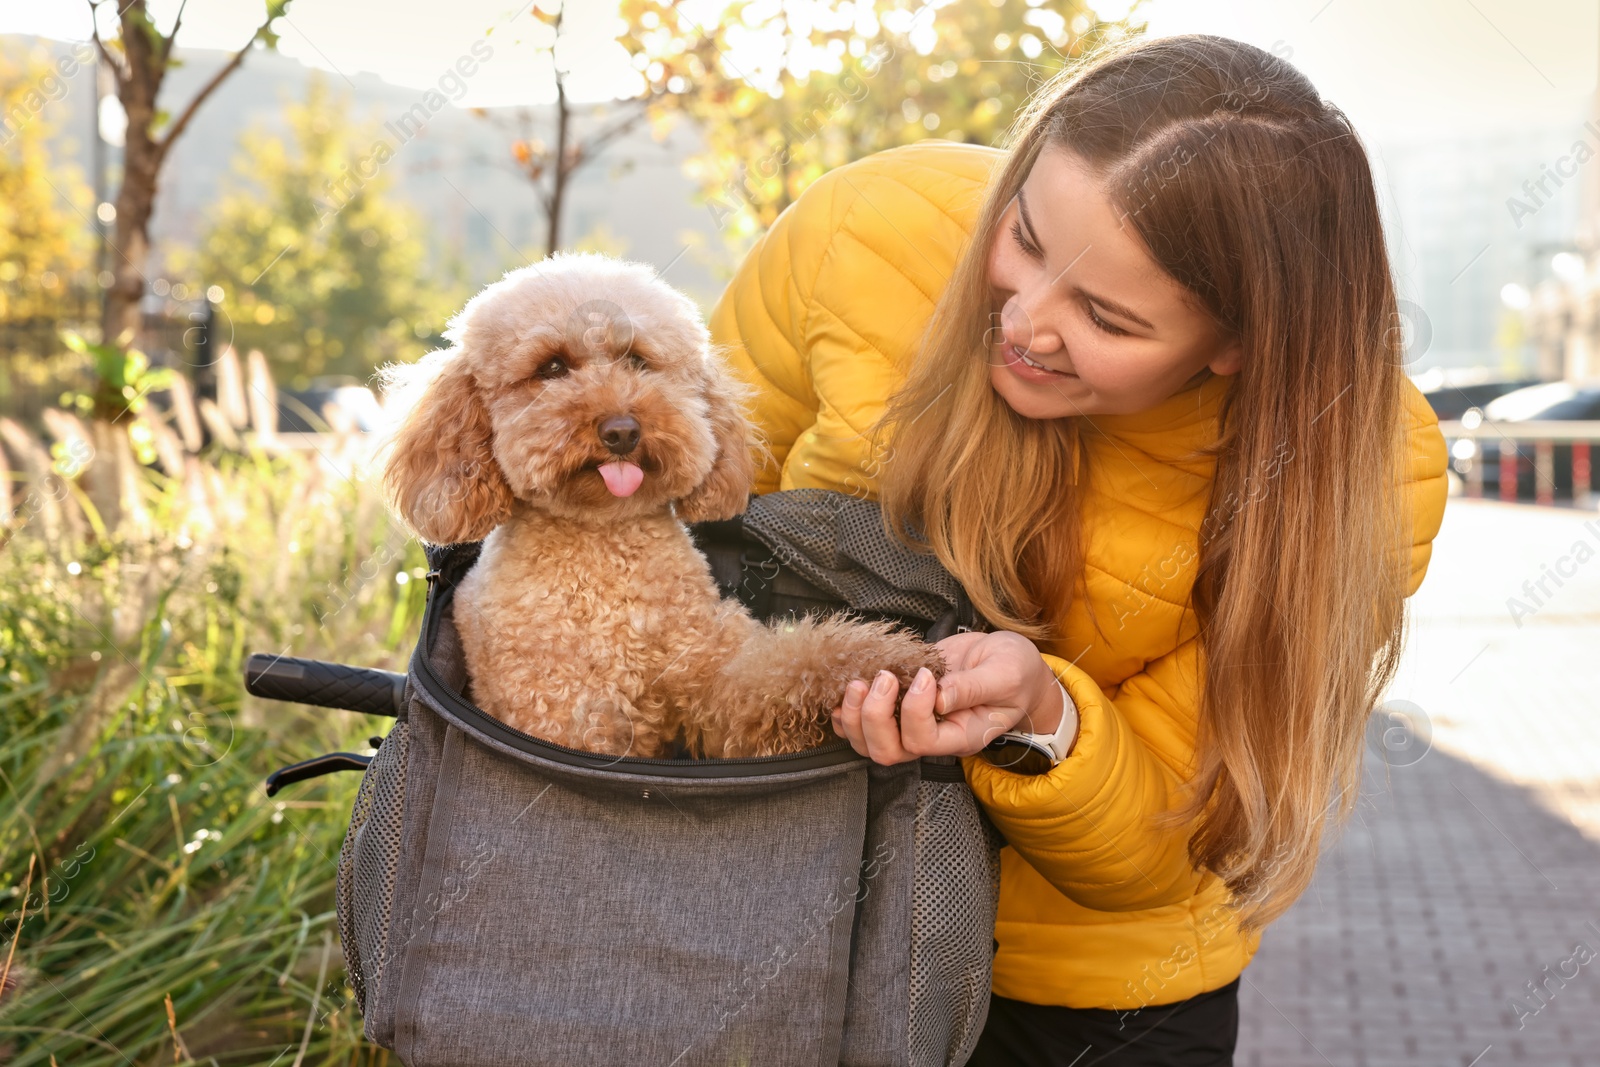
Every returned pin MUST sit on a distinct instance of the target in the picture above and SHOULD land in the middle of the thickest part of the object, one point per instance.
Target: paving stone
(1471, 872)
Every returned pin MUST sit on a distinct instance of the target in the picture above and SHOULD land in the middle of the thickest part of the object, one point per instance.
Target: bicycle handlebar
(327, 685)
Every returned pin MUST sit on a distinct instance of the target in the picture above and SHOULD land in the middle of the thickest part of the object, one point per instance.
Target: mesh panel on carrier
(367, 863)
(952, 923)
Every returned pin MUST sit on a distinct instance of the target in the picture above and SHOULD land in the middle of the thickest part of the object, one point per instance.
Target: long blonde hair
(1254, 194)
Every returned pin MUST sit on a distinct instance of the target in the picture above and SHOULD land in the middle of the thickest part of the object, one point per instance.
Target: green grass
(131, 767)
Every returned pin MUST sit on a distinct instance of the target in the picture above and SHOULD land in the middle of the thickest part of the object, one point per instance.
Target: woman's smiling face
(1085, 322)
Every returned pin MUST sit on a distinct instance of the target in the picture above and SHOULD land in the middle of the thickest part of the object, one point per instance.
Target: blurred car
(1454, 392)
(327, 406)
(1547, 402)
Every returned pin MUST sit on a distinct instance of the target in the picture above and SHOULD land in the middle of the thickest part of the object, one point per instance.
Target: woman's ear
(1228, 359)
(725, 491)
(440, 472)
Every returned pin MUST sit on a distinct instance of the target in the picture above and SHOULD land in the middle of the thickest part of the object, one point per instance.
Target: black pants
(1198, 1032)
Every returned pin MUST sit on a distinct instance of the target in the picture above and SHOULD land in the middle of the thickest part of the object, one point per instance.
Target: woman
(1135, 381)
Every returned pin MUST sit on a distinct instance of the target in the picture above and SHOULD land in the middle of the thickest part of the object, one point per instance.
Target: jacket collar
(1174, 430)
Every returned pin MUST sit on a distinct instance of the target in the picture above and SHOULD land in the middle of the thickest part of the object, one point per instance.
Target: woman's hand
(995, 681)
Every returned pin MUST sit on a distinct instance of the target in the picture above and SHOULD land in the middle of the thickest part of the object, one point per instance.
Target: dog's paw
(856, 649)
(776, 694)
(903, 655)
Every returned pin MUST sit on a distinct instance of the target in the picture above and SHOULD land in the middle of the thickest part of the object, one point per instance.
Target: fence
(1544, 461)
(38, 365)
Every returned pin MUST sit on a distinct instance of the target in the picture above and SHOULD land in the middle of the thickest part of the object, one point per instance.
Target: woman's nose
(1021, 329)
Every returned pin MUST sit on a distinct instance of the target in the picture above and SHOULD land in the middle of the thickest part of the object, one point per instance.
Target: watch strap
(1059, 741)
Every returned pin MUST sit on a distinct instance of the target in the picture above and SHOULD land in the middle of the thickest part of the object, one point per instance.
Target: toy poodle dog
(579, 419)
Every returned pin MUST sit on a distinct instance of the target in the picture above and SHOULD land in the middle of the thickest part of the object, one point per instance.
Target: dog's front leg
(775, 692)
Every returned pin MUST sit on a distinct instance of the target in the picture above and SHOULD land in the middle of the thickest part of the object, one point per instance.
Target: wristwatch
(1028, 753)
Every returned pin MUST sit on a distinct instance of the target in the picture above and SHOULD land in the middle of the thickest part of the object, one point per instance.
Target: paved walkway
(1457, 921)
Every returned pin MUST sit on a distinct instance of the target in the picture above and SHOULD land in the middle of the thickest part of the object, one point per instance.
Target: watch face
(1019, 755)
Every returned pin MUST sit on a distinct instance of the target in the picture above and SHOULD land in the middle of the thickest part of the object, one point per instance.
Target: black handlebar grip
(327, 685)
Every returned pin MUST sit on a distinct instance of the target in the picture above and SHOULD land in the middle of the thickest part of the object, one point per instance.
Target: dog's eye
(636, 361)
(555, 367)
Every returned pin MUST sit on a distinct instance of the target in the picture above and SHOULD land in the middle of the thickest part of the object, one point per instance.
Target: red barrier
(1555, 453)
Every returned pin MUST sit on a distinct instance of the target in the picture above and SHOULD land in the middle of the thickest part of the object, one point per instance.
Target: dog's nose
(620, 434)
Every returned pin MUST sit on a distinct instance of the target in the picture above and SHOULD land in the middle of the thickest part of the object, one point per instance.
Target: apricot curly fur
(590, 619)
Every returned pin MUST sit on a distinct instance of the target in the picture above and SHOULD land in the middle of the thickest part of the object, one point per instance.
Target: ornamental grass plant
(158, 907)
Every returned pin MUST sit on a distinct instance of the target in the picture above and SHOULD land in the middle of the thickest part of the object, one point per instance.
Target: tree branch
(176, 129)
(117, 70)
(172, 38)
(591, 147)
(619, 128)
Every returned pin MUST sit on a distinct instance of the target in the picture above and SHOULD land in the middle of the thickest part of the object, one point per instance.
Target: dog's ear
(725, 491)
(440, 471)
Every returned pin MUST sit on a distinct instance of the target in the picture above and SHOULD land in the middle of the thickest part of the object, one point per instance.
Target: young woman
(1136, 381)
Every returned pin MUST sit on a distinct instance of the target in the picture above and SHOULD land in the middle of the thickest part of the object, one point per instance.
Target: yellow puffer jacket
(1097, 910)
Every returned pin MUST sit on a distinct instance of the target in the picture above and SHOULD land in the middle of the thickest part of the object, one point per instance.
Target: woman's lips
(1027, 369)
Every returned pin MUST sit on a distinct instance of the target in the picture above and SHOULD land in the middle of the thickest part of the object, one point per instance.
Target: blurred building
(1456, 240)
(1562, 309)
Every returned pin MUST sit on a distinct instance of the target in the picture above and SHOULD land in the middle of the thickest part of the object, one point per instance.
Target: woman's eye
(1023, 243)
(1102, 324)
(555, 367)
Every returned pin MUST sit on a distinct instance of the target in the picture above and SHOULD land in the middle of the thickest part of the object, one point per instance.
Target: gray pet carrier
(506, 901)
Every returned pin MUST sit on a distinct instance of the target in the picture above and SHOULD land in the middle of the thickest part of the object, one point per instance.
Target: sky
(1393, 65)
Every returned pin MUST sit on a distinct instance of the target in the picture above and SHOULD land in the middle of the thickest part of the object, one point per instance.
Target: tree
(785, 92)
(318, 269)
(44, 246)
(551, 164)
(139, 58)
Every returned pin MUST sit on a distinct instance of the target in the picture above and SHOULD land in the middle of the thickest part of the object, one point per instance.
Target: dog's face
(583, 386)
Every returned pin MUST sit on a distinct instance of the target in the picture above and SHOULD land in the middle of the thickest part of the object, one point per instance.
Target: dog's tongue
(622, 477)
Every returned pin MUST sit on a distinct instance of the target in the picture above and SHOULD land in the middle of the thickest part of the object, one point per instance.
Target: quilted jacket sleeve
(1426, 482)
(758, 326)
(825, 311)
(1086, 826)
